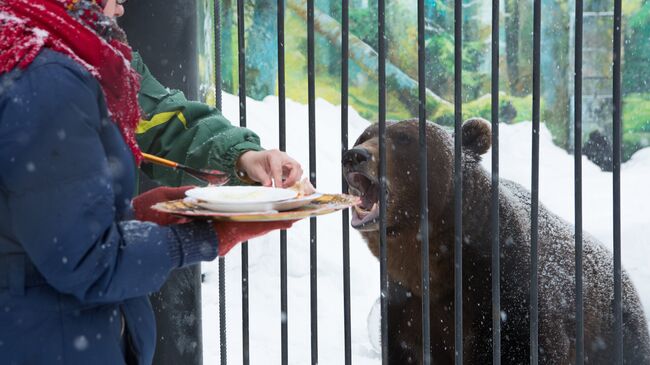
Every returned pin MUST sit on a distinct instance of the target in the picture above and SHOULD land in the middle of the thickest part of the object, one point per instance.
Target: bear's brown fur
(556, 258)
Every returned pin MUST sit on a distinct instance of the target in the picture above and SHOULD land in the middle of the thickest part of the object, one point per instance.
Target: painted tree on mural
(636, 78)
(262, 50)
(401, 34)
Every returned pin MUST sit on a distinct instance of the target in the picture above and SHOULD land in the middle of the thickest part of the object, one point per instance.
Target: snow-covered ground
(556, 192)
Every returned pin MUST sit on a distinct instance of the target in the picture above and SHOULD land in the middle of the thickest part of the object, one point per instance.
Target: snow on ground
(556, 192)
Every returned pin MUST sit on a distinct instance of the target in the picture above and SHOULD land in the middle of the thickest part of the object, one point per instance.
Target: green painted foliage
(515, 61)
(636, 76)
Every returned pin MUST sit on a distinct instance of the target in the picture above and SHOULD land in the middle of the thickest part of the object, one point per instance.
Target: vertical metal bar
(534, 259)
(282, 117)
(223, 341)
(458, 181)
(383, 272)
(283, 298)
(617, 134)
(245, 306)
(345, 49)
(494, 207)
(222, 312)
(281, 79)
(217, 53)
(314, 291)
(241, 63)
(313, 268)
(424, 189)
(577, 154)
(241, 48)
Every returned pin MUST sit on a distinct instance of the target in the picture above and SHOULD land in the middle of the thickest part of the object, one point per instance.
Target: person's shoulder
(137, 63)
(53, 72)
(50, 85)
(55, 65)
(50, 58)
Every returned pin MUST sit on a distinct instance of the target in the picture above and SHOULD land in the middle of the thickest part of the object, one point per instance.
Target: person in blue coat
(75, 264)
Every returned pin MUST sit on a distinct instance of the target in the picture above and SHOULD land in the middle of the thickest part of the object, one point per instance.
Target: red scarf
(27, 26)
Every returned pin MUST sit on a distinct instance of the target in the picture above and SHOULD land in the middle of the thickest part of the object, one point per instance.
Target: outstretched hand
(232, 233)
(229, 234)
(142, 205)
(270, 167)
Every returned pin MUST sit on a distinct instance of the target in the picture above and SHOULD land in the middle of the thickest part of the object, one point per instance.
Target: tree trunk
(365, 56)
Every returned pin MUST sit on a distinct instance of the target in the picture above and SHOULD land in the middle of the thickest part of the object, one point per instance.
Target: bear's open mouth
(366, 214)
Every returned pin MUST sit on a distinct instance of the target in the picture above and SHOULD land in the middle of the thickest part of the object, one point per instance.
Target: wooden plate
(325, 204)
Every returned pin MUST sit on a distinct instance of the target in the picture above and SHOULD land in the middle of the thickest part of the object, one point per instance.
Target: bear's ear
(477, 135)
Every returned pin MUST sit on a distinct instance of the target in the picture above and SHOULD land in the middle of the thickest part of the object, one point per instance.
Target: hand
(267, 167)
(232, 233)
(142, 205)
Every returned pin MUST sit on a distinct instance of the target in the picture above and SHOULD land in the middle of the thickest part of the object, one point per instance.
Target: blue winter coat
(74, 271)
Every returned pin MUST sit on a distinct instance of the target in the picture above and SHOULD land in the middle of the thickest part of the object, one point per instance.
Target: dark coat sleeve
(63, 202)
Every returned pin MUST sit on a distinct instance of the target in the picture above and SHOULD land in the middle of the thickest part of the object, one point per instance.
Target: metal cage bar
(458, 182)
(618, 295)
(313, 262)
(383, 272)
(424, 189)
(345, 49)
(282, 121)
(218, 78)
(241, 47)
(494, 202)
(577, 154)
(223, 340)
(534, 212)
(284, 310)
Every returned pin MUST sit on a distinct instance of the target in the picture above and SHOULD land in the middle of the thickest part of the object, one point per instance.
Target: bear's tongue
(361, 217)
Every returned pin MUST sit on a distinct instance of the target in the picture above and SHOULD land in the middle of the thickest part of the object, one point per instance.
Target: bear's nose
(356, 156)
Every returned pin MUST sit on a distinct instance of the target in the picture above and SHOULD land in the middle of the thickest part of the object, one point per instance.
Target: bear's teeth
(359, 210)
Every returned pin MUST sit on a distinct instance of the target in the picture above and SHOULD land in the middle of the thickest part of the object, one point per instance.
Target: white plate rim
(248, 208)
(193, 193)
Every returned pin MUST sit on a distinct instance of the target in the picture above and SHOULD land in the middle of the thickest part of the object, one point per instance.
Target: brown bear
(557, 326)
